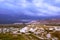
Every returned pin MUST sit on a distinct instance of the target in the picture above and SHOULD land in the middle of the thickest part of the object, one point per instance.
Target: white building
(24, 30)
(48, 35)
(51, 28)
(57, 28)
(33, 29)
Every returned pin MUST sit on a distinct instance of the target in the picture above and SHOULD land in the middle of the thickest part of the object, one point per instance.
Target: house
(32, 29)
(24, 30)
(57, 28)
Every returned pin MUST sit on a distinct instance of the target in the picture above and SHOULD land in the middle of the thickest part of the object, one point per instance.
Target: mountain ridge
(7, 18)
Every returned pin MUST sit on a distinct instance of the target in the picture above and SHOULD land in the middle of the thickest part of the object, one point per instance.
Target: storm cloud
(33, 7)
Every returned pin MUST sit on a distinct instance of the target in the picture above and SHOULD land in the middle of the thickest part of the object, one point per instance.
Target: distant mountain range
(8, 18)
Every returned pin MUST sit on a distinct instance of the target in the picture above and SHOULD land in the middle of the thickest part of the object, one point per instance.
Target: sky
(32, 7)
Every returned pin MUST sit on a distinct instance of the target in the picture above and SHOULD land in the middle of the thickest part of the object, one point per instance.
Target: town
(34, 28)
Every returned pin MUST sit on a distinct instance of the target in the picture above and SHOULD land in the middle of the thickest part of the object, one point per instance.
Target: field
(31, 36)
(8, 36)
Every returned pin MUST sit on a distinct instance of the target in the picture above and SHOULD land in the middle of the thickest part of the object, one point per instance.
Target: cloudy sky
(32, 7)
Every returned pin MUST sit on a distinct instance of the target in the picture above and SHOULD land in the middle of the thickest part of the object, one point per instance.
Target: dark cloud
(32, 7)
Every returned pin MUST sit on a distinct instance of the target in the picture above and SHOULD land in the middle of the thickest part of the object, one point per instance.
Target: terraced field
(18, 37)
(30, 36)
